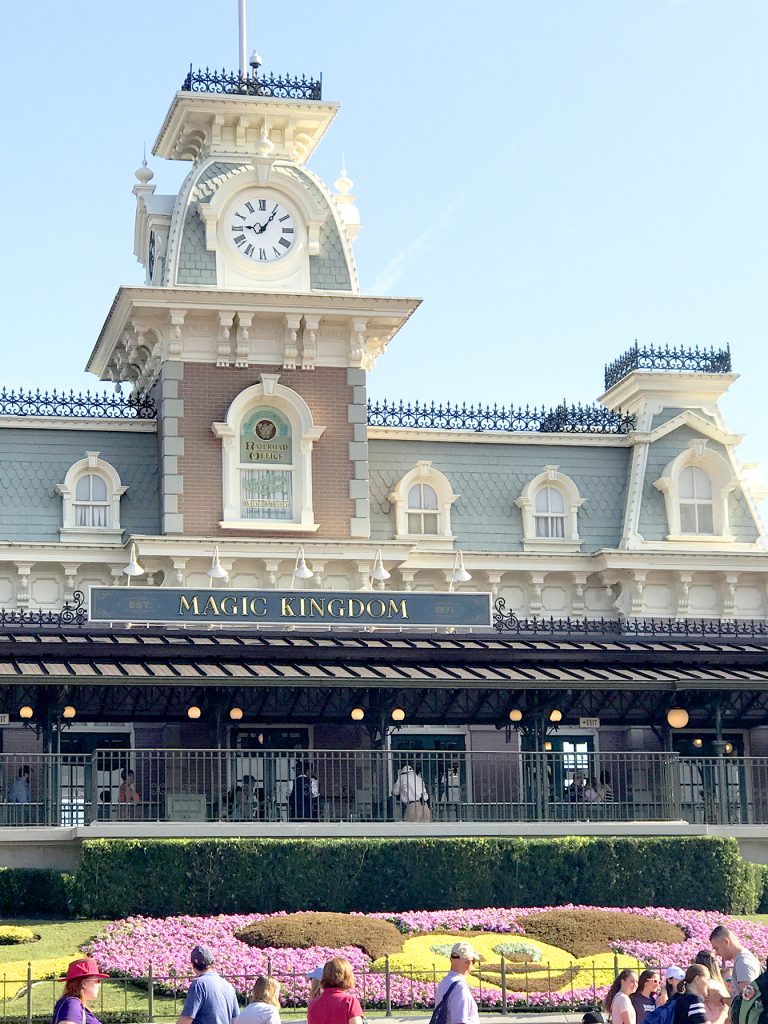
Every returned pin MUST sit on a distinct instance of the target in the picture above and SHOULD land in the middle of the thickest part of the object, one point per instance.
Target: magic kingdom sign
(287, 607)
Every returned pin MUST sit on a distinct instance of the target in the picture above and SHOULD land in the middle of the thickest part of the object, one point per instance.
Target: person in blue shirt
(210, 999)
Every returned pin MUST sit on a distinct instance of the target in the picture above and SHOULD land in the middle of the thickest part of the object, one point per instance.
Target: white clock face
(261, 229)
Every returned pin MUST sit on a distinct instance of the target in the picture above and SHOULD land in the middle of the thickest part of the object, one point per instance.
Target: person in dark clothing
(303, 802)
(690, 1008)
(644, 1000)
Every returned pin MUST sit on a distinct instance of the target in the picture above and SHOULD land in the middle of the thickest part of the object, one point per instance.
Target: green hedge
(201, 876)
(33, 892)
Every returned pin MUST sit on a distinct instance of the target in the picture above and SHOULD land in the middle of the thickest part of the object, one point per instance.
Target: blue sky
(554, 177)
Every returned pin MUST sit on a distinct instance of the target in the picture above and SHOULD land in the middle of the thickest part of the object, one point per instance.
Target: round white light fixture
(194, 711)
(398, 715)
(235, 714)
(357, 714)
(698, 742)
(69, 712)
(555, 715)
(515, 715)
(26, 712)
(677, 718)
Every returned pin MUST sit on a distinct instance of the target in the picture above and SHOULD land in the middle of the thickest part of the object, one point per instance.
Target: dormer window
(696, 486)
(423, 510)
(91, 504)
(91, 495)
(422, 501)
(549, 513)
(696, 513)
(549, 506)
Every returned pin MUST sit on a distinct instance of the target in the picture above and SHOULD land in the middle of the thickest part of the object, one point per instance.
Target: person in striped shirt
(690, 1006)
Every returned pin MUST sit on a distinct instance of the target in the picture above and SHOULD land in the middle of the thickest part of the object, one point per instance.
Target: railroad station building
(610, 557)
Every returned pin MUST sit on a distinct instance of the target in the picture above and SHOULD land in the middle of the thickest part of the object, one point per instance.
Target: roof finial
(144, 174)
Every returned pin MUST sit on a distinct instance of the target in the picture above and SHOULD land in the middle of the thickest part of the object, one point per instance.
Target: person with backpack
(303, 795)
(454, 1002)
(618, 1001)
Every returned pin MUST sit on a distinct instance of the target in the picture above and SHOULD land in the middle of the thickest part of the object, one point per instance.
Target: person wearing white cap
(454, 989)
(671, 987)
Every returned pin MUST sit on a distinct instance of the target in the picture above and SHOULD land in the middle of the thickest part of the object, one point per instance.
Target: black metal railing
(74, 613)
(77, 406)
(680, 359)
(505, 621)
(562, 419)
(235, 83)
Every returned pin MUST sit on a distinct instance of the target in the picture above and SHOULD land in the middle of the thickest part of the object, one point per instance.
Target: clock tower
(251, 318)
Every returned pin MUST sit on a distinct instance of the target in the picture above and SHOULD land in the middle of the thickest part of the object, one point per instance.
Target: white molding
(499, 437)
(551, 477)
(91, 464)
(723, 480)
(58, 423)
(690, 419)
(268, 526)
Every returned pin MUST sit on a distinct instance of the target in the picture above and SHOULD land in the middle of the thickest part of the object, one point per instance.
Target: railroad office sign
(287, 607)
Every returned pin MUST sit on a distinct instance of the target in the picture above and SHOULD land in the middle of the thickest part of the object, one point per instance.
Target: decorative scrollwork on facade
(690, 360)
(70, 615)
(77, 406)
(235, 83)
(505, 621)
(563, 419)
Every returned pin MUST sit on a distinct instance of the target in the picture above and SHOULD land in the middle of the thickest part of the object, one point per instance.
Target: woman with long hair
(618, 1002)
(718, 1000)
(337, 1003)
(82, 985)
(673, 977)
(264, 1007)
(644, 999)
(690, 1007)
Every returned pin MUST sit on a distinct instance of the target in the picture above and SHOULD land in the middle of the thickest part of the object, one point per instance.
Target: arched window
(423, 511)
(267, 443)
(696, 514)
(91, 495)
(696, 485)
(549, 505)
(422, 501)
(549, 513)
(91, 502)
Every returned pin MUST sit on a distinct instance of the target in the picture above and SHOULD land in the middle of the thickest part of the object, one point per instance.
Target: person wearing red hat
(82, 984)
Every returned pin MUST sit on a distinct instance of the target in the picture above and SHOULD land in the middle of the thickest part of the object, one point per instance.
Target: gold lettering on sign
(293, 606)
(185, 605)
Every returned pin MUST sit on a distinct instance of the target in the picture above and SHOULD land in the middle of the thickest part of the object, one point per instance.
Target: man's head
(725, 943)
(592, 1017)
(462, 957)
(202, 958)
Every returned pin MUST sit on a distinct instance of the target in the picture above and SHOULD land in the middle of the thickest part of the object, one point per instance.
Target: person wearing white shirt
(462, 1008)
(264, 1007)
(409, 788)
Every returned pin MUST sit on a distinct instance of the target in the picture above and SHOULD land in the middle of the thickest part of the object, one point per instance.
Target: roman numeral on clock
(284, 242)
(276, 252)
(250, 208)
(287, 231)
(249, 250)
(239, 239)
(262, 204)
(262, 254)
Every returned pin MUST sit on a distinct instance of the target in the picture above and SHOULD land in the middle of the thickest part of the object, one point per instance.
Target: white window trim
(70, 532)
(724, 480)
(424, 473)
(305, 433)
(551, 477)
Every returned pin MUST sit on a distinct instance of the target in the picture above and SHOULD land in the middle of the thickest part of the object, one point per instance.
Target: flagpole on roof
(243, 63)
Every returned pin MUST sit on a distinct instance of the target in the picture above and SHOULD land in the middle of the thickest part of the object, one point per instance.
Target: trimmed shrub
(33, 892)
(120, 877)
(374, 937)
(10, 935)
(583, 932)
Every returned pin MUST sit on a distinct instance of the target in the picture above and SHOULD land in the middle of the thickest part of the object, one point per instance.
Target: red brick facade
(207, 392)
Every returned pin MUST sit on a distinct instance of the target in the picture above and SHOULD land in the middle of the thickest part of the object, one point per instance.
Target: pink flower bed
(128, 947)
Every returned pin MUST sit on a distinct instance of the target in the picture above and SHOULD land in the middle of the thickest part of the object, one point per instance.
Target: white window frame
(424, 473)
(723, 480)
(269, 393)
(572, 501)
(91, 465)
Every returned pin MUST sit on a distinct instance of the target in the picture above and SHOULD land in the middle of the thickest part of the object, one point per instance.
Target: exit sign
(5, 719)
(589, 723)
